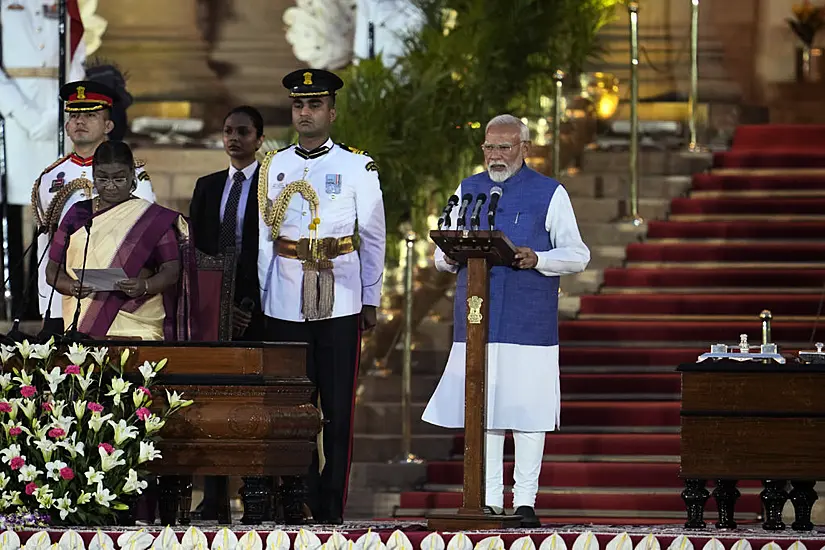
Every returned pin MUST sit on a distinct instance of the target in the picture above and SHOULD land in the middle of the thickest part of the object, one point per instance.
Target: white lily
(118, 387)
(138, 398)
(147, 370)
(15, 407)
(153, 423)
(96, 421)
(148, 452)
(123, 431)
(79, 407)
(124, 356)
(28, 407)
(7, 352)
(54, 378)
(65, 423)
(4, 480)
(77, 354)
(99, 355)
(58, 407)
(72, 446)
(24, 378)
(176, 400)
(103, 496)
(12, 451)
(53, 469)
(109, 461)
(28, 473)
(9, 541)
(133, 484)
(46, 448)
(64, 504)
(24, 348)
(44, 496)
(11, 499)
(5, 381)
(37, 430)
(43, 351)
(38, 541)
(84, 498)
(86, 380)
(93, 477)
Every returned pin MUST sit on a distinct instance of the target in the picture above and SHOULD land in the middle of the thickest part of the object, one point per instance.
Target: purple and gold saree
(136, 236)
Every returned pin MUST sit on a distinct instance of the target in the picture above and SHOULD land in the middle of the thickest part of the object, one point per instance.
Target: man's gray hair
(510, 120)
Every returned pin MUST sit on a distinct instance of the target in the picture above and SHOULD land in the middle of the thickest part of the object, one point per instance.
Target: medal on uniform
(51, 11)
(58, 182)
(333, 184)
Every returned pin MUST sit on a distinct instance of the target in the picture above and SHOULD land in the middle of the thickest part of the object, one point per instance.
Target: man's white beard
(501, 176)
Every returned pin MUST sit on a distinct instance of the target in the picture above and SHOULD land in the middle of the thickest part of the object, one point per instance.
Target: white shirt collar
(247, 172)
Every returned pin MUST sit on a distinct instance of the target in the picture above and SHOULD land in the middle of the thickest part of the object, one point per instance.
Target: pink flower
(145, 391)
(17, 462)
(143, 413)
(17, 430)
(5, 407)
(67, 473)
(56, 432)
(72, 369)
(95, 407)
(28, 391)
(31, 487)
(106, 447)
(47, 407)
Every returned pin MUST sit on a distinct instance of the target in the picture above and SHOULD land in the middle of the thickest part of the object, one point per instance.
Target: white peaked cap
(586, 541)
(741, 544)
(9, 540)
(490, 543)
(224, 539)
(193, 539)
(650, 542)
(135, 540)
(167, 539)
(523, 543)
(251, 540)
(433, 541)
(102, 541)
(713, 544)
(399, 541)
(681, 543)
(40, 541)
(772, 546)
(277, 540)
(460, 541)
(553, 542)
(71, 540)
(620, 542)
(306, 540)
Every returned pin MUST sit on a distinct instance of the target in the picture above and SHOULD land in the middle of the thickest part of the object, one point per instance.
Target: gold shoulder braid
(52, 217)
(318, 291)
(36, 210)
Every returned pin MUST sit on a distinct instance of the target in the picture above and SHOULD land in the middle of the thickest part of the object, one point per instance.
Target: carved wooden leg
(773, 499)
(223, 511)
(726, 494)
(185, 504)
(169, 495)
(803, 497)
(292, 499)
(695, 496)
(255, 496)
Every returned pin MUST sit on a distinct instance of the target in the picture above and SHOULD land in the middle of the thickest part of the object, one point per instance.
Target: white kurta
(49, 183)
(520, 395)
(30, 104)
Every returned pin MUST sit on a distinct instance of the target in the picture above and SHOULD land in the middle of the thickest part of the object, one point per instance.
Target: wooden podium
(480, 250)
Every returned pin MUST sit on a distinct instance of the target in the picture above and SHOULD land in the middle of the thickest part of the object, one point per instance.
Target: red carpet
(737, 245)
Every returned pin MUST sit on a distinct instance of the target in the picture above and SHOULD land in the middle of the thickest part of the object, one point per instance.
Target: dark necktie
(230, 213)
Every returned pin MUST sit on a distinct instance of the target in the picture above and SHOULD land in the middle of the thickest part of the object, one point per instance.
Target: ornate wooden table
(749, 420)
(252, 417)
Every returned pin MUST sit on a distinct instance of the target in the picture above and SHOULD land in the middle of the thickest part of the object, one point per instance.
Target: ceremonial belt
(328, 248)
(32, 72)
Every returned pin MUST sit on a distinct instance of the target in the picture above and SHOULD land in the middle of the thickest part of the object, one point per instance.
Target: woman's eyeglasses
(119, 182)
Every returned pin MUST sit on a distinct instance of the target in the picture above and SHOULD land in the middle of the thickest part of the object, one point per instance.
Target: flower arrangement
(77, 433)
(807, 21)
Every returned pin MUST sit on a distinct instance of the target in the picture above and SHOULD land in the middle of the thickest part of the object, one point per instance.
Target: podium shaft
(478, 287)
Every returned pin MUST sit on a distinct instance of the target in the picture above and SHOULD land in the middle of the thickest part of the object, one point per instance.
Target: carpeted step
(781, 305)
(595, 444)
(615, 357)
(614, 383)
(601, 332)
(779, 137)
(787, 158)
(700, 278)
(748, 206)
(799, 230)
(756, 252)
(549, 504)
(731, 182)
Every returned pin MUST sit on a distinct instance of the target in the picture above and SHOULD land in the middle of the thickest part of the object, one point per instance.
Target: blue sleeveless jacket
(524, 304)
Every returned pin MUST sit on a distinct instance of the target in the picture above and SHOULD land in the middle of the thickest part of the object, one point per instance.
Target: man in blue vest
(523, 393)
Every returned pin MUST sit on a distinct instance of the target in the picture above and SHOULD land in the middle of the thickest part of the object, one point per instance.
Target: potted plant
(808, 19)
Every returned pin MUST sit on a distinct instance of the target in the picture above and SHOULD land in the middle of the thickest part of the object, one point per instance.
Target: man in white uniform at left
(523, 393)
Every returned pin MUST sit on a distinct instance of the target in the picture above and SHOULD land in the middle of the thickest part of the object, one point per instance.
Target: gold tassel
(309, 307)
(326, 289)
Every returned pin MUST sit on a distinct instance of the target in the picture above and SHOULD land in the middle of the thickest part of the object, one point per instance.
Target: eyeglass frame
(502, 147)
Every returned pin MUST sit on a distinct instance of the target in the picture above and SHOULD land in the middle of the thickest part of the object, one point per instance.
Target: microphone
(76, 319)
(465, 202)
(247, 304)
(445, 214)
(15, 334)
(495, 194)
(60, 267)
(475, 220)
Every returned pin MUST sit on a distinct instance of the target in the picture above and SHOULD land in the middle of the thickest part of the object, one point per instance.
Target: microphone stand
(44, 334)
(15, 334)
(73, 334)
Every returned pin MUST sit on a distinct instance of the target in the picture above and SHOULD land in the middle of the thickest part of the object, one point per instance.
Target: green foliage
(423, 119)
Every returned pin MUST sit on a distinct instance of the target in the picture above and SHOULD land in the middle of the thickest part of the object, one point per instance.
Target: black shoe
(528, 517)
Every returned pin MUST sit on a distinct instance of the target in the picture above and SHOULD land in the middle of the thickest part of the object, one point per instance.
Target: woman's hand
(80, 291)
(134, 288)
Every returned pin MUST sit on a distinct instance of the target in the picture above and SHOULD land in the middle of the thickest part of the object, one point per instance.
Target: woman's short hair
(113, 152)
(253, 114)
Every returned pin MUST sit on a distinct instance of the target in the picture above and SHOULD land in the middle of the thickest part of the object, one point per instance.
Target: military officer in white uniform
(88, 106)
(319, 285)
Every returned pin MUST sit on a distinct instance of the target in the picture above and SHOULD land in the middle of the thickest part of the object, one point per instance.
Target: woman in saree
(148, 242)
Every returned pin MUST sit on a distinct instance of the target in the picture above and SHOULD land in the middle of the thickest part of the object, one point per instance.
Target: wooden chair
(216, 293)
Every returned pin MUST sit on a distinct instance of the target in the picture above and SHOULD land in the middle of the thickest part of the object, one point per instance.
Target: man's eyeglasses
(501, 147)
(119, 182)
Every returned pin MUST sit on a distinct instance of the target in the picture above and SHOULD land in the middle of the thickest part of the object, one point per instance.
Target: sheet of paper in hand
(102, 280)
